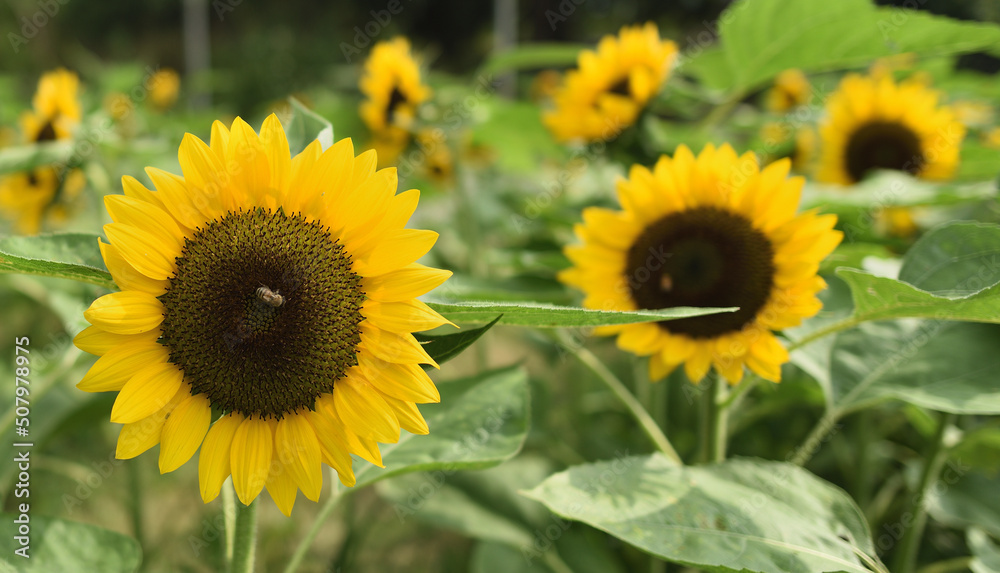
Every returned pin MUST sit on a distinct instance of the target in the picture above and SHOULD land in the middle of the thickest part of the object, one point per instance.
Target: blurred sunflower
(438, 165)
(393, 91)
(611, 85)
(708, 231)
(278, 292)
(791, 89)
(28, 197)
(874, 123)
(164, 86)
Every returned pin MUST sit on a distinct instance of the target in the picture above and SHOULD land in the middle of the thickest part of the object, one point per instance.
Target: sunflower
(874, 123)
(791, 89)
(708, 231)
(393, 91)
(163, 85)
(612, 85)
(28, 196)
(273, 293)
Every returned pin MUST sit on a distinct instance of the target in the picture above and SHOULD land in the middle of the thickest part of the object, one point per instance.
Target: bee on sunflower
(712, 230)
(611, 86)
(874, 123)
(266, 313)
(28, 197)
(393, 91)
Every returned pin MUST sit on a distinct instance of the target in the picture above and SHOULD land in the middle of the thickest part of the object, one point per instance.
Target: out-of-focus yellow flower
(874, 123)
(791, 89)
(898, 222)
(118, 105)
(991, 138)
(611, 85)
(393, 92)
(438, 163)
(164, 86)
(888, 65)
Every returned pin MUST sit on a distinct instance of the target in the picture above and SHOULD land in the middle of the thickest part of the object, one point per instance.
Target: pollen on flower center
(263, 314)
(703, 257)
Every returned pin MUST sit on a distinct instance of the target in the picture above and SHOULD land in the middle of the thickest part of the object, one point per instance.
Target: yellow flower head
(712, 230)
(791, 89)
(392, 88)
(436, 154)
(163, 85)
(57, 109)
(874, 123)
(611, 85)
(273, 294)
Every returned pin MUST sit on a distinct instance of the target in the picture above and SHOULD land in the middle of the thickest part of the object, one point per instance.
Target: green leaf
(955, 259)
(986, 553)
(514, 130)
(538, 55)
(305, 126)
(26, 157)
(892, 189)
(61, 545)
(760, 38)
(740, 515)
(944, 366)
(443, 348)
(965, 499)
(541, 315)
(880, 298)
(491, 557)
(480, 422)
(73, 256)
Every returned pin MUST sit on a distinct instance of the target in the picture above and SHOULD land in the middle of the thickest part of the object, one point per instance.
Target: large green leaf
(760, 38)
(25, 157)
(965, 498)
(955, 259)
(61, 545)
(892, 189)
(74, 256)
(306, 125)
(740, 515)
(945, 366)
(880, 298)
(542, 315)
(480, 422)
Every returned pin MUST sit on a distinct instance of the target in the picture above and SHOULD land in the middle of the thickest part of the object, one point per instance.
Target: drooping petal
(214, 464)
(184, 431)
(252, 451)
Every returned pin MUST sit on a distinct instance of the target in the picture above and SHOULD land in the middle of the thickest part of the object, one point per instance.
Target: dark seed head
(263, 314)
(883, 145)
(703, 257)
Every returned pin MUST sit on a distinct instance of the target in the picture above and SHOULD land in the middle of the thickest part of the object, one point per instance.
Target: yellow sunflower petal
(364, 411)
(252, 451)
(125, 275)
(282, 488)
(407, 283)
(137, 437)
(403, 316)
(404, 381)
(298, 451)
(148, 390)
(112, 371)
(146, 216)
(97, 341)
(149, 254)
(333, 443)
(214, 464)
(409, 416)
(184, 431)
(397, 251)
(125, 312)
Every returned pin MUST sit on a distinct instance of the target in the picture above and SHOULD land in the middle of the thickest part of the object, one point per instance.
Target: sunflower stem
(646, 422)
(714, 420)
(245, 538)
(136, 493)
(336, 493)
(906, 555)
(229, 517)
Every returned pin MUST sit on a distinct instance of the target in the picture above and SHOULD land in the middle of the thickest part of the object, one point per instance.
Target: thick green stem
(135, 491)
(245, 538)
(948, 566)
(321, 517)
(713, 420)
(229, 517)
(816, 437)
(906, 556)
(646, 422)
